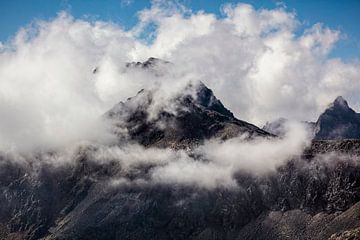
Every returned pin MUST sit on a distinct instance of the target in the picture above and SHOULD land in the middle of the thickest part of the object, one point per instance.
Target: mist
(210, 165)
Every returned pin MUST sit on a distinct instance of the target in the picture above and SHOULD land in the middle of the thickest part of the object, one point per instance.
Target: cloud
(223, 159)
(255, 61)
(210, 165)
(48, 94)
(214, 164)
(125, 3)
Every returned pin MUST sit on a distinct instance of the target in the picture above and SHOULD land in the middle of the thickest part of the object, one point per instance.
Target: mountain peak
(206, 98)
(195, 118)
(340, 102)
(338, 121)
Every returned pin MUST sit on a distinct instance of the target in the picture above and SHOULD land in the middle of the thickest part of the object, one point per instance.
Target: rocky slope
(310, 198)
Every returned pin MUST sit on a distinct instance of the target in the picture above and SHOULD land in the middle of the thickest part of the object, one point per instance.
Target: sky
(263, 60)
(339, 15)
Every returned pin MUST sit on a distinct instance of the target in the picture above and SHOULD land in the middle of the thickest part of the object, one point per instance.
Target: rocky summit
(338, 121)
(312, 196)
(195, 118)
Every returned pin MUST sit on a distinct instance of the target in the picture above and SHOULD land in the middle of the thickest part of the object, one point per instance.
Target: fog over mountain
(108, 135)
(187, 169)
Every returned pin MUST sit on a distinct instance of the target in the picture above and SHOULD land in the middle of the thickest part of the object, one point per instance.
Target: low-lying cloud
(210, 165)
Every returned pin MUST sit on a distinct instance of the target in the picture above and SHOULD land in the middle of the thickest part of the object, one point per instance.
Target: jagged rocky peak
(206, 98)
(187, 118)
(340, 103)
(338, 121)
(193, 95)
(196, 114)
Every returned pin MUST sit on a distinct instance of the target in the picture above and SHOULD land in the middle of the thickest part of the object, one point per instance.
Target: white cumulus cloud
(255, 61)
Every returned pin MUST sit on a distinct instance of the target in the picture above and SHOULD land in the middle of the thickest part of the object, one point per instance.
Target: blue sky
(340, 15)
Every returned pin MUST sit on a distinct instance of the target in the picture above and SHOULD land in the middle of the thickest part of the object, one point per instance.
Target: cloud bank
(211, 165)
(255, 61)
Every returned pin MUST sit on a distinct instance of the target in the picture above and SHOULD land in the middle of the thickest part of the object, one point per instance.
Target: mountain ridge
(198, 117)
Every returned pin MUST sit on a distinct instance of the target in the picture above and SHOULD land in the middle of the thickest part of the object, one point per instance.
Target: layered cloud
(210, 165)
(256, 61)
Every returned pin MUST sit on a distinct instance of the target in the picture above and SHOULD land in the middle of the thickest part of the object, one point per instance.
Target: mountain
(304, 199)
(195, 118)
(338, 121)
(313, 196)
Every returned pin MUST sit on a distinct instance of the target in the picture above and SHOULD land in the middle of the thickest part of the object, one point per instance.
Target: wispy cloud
(126, 3)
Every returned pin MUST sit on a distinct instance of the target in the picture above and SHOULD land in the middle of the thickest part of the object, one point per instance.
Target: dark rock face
(78, 201)
(339, 121)
(194, 120)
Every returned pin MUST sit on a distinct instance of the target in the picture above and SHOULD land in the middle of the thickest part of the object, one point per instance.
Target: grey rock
(338, 121)
(195, 120)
